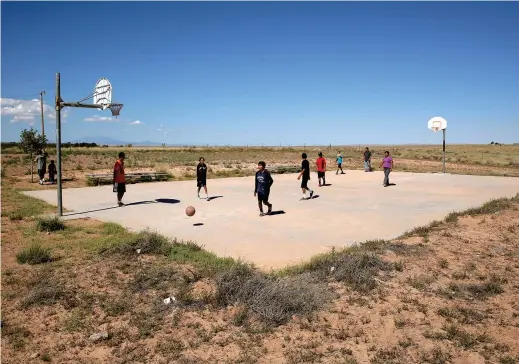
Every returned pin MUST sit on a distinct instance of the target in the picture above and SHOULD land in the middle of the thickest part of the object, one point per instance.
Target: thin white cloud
(27, 111)
(97, 118)
(137, 122)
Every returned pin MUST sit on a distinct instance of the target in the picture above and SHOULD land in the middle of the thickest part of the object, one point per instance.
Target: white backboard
(437, 123)
(103, 93)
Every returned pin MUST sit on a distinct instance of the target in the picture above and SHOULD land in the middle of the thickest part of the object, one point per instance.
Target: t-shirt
(201, 172)
(263, 182)
(119, 172)
(306, 166)
(41, 161)
(386, 162)
(321, 164)
(367, 155)
(339, 159)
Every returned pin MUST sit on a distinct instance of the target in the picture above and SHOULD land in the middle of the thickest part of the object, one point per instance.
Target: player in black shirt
(262, 185)
(305, 173)
(201, 177)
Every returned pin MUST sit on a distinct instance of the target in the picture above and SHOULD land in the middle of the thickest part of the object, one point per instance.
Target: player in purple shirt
(387, 164)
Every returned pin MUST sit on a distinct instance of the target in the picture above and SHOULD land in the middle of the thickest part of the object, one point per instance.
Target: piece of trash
(332, 269)
(138, 251)
(169, 300)
(99, 336)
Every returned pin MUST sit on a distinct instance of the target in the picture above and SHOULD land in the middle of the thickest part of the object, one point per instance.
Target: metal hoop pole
(58, 142)
(444, 149)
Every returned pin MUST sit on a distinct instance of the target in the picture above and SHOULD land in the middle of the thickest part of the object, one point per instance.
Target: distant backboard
(103, 93)
(437, 123)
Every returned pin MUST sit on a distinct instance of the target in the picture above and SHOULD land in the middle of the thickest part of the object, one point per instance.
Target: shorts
(304, 182)
(339, 165)
(320, 174)
(201, 183)
(263, 197)
(121, 187)
(41, 173)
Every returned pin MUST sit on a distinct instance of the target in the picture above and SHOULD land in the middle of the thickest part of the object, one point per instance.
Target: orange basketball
(190, 211)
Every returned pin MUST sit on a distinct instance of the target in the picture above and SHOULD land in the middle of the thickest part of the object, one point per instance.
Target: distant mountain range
(100, 140)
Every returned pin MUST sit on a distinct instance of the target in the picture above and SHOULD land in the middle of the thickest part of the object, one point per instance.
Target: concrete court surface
(356, 207)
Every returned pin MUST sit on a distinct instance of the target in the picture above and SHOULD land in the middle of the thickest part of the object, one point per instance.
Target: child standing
(262, 185)
(339, 162)
(120, 179)
(321, 168)
(367, 160)
(52, 172)
(41, 163)
(305, 173)
(201, 177)
(387, 164)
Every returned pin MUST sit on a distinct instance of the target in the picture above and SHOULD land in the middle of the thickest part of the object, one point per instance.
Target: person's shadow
(278, 212)
(213, 198)
(167, 200)
(391, 184)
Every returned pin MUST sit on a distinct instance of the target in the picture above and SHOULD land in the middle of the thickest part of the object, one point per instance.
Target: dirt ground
(452, 300)
(451, 296)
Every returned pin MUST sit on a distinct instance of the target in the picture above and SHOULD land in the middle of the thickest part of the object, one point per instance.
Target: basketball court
(355, 207)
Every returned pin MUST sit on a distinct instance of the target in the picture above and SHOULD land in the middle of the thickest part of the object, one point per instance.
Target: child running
(201, 177)
(339, 162)
(321, 169)
(305, 173)
(262, 185)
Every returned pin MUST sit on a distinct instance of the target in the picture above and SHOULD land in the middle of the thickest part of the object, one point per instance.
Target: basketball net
(115, 109)
(435, 129)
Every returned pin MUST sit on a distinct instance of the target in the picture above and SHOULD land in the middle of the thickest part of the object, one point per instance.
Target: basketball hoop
(115, 109)
(435, 128)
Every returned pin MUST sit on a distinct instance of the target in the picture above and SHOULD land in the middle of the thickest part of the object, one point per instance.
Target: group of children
(263, 179)
(41, 163)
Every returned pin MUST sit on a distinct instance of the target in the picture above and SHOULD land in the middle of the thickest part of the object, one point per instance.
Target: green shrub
(34, 254)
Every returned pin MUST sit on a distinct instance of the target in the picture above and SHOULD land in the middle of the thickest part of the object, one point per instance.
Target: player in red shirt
(321, 168)
(119, 179)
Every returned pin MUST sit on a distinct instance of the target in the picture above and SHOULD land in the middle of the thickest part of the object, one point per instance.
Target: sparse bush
(44, 289)
(436, 356)
(273, 299)
(34, 254)
(149, 242)
(50, 224)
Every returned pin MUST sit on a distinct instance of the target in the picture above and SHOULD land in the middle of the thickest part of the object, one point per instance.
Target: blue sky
(265, 72)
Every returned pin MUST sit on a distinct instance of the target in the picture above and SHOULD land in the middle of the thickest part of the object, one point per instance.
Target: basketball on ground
(190, 211)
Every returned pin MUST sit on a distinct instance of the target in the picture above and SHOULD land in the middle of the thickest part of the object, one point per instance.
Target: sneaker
(120, 204)
(311, 194)
(262, 214)
(270, 210)
(303, 198)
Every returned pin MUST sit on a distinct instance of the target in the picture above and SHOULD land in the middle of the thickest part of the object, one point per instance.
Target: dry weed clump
(273, 299)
